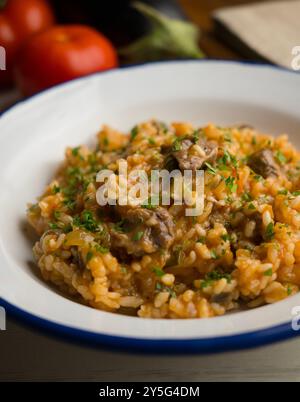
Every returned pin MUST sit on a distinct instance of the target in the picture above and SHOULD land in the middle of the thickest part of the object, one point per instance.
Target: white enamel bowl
(33, 136)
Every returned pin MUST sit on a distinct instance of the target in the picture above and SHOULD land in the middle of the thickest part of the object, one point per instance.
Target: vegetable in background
(60, 54)
(169, 38)
(19, 19)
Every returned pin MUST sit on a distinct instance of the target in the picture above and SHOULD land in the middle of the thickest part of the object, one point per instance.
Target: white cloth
(271, 29)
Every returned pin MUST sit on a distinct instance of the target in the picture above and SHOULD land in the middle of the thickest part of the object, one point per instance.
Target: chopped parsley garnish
(101, 249)
(176, 145)
(222, 167)
(160, 287)
(210, 168)
(105, 141)
(249, 247)
(89, 256)
(75, 151)
(289, 290)
(280, 157)
(227, 137)
(52, 225)
(56, 215)
(86, 221)
(171, 291)
(228, 199)
(163, 126)
(269, 234)
(92, 158)
(76, 221)
(296, 193)
(134, 133)
(246, 197)
(283, 192)
(254, 141)
(214, 276)
(149, 206)
(230, 183)
(76, 184)
(227, 158)
(67, 228)
(151, 203)
(151, 141)
(201, 239)
(69, 191)
(120, 226)
(55, 189)
(158, 272)
(225, 237)
(73, 171)
(258, 177)
(196, 135)
(33, 207)
(214, 254)
(268, 272)
(251, 206)
(137, 236)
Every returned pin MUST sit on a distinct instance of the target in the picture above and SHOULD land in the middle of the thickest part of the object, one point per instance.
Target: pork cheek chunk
(192, 156)
(262, 162)
(143, 231)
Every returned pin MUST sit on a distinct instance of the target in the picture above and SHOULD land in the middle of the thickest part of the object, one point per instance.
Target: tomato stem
(3, 4)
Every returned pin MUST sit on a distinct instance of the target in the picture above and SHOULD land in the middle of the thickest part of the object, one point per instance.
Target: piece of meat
(220, 298)
(77, 259)
(257, 233)
(262, 162)
(192, 156)
(240, 239)
(143, 231)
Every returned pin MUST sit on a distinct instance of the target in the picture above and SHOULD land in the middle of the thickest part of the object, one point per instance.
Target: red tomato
(60, 54)
(19, 19)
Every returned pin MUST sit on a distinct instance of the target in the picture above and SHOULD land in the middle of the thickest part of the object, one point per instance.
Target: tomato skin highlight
(28, 16)
(20, 19)
(60, 54)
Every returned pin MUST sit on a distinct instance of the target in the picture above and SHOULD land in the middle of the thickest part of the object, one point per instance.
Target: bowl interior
(35, 133)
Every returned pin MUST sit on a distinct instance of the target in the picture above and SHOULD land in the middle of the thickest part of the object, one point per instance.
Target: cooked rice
(244, 249)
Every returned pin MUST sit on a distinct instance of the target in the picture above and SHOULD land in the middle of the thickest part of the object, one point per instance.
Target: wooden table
(29, 355)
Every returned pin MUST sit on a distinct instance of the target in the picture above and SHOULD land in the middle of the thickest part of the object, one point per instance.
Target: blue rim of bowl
(155, 346)
(160, 346)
